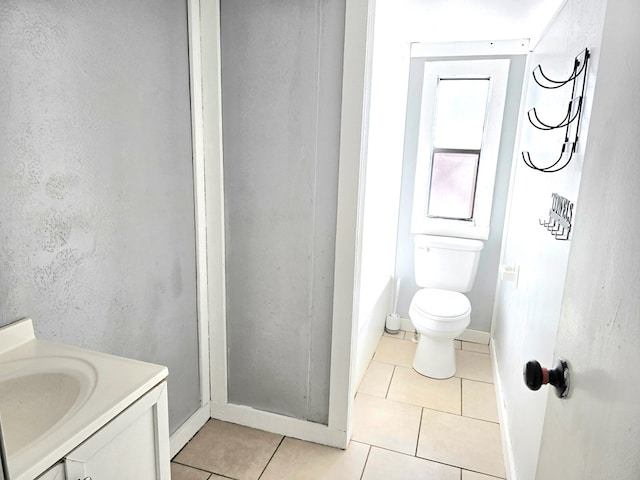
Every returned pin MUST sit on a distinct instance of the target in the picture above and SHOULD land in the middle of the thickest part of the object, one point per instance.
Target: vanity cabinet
(135, 444)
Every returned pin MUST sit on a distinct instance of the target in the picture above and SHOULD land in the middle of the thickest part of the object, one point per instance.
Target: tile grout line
(393, 372)
(474, 380)
(449, 413)
(481, 473)
(419, 429)
(202, 470)
(271, 458)
(191, 466)
(221, 476)
(364, 467)
(473, 351)
(461, 399)
(419, 406)
(439, 462)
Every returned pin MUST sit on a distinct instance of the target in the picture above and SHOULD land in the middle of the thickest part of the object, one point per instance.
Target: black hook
(534, 119)
(566, 147)
(578, 67)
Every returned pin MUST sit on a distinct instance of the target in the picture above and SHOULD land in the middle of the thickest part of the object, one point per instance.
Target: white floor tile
(467, 443)
(387, 465)
(386, 424)
(408, 386)
(479, 400)
(298, 460)
(474, 366)
(377, 379)
(395, 352)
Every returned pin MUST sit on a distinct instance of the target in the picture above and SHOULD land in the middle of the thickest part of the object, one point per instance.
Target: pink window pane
(453, 185)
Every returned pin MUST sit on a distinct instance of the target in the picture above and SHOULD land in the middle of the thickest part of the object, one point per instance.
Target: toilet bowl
(439, 316)
(445, 268)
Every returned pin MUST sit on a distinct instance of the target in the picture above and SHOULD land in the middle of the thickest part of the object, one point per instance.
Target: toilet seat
(440, 305)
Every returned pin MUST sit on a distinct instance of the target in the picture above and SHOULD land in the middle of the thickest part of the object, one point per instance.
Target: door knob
(535, 376)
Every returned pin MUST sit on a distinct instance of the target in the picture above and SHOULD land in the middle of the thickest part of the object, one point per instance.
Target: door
(595, 433)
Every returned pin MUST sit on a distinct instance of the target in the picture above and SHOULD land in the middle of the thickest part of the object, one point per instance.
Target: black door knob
(535, 376)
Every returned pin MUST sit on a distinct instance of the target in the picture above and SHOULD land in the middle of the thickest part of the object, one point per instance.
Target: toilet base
(435, 357)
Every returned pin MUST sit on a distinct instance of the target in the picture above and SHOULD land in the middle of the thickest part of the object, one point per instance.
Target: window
(458, 142)
(453, 184)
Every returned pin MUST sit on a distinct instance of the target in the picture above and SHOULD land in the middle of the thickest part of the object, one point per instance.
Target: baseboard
(280, 424)
(188, 429)
(503, 419)
(473, 336)
(370, 331)
(367, 343)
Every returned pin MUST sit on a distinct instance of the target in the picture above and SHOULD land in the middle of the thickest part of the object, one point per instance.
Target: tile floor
(406, 426)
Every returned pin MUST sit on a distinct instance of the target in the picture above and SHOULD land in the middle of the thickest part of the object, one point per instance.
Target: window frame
(497, 70)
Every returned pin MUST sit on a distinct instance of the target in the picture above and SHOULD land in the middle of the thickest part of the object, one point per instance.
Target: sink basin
(54, 397)
(36, 395)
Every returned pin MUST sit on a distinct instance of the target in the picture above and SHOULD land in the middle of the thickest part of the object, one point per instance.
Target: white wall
(526, 315)
(599, 329)
(380, 178)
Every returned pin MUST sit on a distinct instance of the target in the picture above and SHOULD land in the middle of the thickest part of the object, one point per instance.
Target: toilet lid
(441, 303)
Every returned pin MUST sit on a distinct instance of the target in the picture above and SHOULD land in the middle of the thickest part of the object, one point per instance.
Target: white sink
(36, 395)
(53, 397)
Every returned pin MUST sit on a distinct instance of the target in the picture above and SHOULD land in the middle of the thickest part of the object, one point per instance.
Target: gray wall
(483, 293)
(281, 97)
(96, 212)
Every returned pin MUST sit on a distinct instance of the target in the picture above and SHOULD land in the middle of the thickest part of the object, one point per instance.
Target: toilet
(445, 269)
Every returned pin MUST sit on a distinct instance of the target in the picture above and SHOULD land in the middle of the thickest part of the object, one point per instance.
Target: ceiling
(465, 20)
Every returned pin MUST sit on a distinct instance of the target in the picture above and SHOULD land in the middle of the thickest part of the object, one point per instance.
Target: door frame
(190, 427)
(204, 54)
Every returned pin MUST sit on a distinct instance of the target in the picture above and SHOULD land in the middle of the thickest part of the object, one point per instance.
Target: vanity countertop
(53, 396)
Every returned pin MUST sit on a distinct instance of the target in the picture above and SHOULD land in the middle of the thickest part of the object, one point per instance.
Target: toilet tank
(445, 262)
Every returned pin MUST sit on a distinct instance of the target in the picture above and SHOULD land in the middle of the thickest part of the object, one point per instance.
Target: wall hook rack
(560, 217)
(571, 120)
(548, 83)
(575, 108)
(566, 154)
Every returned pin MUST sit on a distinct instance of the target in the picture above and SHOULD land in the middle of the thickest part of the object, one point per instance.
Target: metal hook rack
(578, 68)
(571, 120)
(560, 217)
(568, 148)
(568, 118)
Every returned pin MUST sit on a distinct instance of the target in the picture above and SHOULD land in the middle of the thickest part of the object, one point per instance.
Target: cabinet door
(135, 444)
(54, 473)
